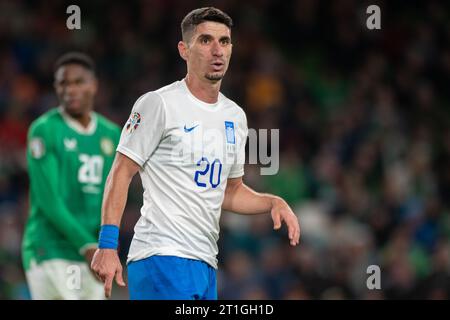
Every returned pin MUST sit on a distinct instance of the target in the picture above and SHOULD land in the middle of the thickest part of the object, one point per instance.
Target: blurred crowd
(364, 123)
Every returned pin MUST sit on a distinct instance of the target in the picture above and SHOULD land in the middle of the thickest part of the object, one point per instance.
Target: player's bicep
(124, 165)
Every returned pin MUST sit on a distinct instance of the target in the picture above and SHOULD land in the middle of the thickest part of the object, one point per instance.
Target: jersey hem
(143, 254)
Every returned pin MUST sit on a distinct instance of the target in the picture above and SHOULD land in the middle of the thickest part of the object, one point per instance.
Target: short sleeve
(144, 128)
(237, 169)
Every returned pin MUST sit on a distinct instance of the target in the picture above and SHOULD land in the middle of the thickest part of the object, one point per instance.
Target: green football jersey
(67, 166)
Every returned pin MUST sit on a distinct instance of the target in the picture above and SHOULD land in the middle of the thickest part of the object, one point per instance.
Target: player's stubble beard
(214, 76)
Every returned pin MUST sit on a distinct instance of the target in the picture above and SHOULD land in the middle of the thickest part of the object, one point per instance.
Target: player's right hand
(106, 266)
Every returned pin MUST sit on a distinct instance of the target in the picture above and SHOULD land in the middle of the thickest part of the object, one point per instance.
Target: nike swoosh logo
(189, 129)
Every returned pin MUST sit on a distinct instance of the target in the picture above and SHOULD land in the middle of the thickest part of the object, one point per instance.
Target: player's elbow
(231, 190)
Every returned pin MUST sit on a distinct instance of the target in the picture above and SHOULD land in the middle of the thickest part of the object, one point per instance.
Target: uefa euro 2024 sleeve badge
(133, 122)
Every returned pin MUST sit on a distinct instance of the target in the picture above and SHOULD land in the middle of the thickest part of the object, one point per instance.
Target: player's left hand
(282, 212)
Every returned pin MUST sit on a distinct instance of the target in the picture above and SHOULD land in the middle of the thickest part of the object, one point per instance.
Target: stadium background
(364, 132)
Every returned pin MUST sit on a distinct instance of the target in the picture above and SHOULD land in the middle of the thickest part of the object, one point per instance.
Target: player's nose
(216, 49)
(70, 89)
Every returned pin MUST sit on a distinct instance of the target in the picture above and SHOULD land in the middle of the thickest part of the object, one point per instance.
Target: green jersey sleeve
(44, 181)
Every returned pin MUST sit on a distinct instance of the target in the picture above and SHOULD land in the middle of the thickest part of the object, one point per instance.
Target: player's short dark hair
(197, 16)
(75, 57)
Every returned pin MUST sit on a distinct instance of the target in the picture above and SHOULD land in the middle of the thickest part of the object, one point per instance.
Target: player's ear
(56, 86)
(182, 50)
(94, 85)
(55, 82)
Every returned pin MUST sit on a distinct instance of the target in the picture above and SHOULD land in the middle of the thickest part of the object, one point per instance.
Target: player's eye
(204, 40)
(225, 41)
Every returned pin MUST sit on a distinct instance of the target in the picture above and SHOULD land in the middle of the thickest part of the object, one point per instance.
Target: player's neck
(205, 91)
(84, 119)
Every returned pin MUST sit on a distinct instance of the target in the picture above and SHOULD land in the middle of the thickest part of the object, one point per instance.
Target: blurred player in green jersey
(70, 151)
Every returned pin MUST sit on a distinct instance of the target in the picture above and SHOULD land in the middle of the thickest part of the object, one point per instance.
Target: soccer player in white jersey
(187, 141)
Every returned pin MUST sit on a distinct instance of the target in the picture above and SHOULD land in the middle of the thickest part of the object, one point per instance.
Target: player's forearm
(116, 190)
(242, 199)
(115, 197)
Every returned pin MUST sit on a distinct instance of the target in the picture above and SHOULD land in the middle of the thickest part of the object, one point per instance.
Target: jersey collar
(75, 125)
(204, 105)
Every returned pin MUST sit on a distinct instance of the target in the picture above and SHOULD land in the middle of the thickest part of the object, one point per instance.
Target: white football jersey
(187, 149)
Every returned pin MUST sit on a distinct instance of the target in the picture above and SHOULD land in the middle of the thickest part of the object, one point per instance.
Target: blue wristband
(108, 237)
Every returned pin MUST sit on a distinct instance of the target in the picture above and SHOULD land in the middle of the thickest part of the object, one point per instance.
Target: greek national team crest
(133, 122)
(229, 130)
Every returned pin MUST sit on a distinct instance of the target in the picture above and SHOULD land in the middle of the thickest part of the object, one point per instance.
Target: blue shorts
(171, 278)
